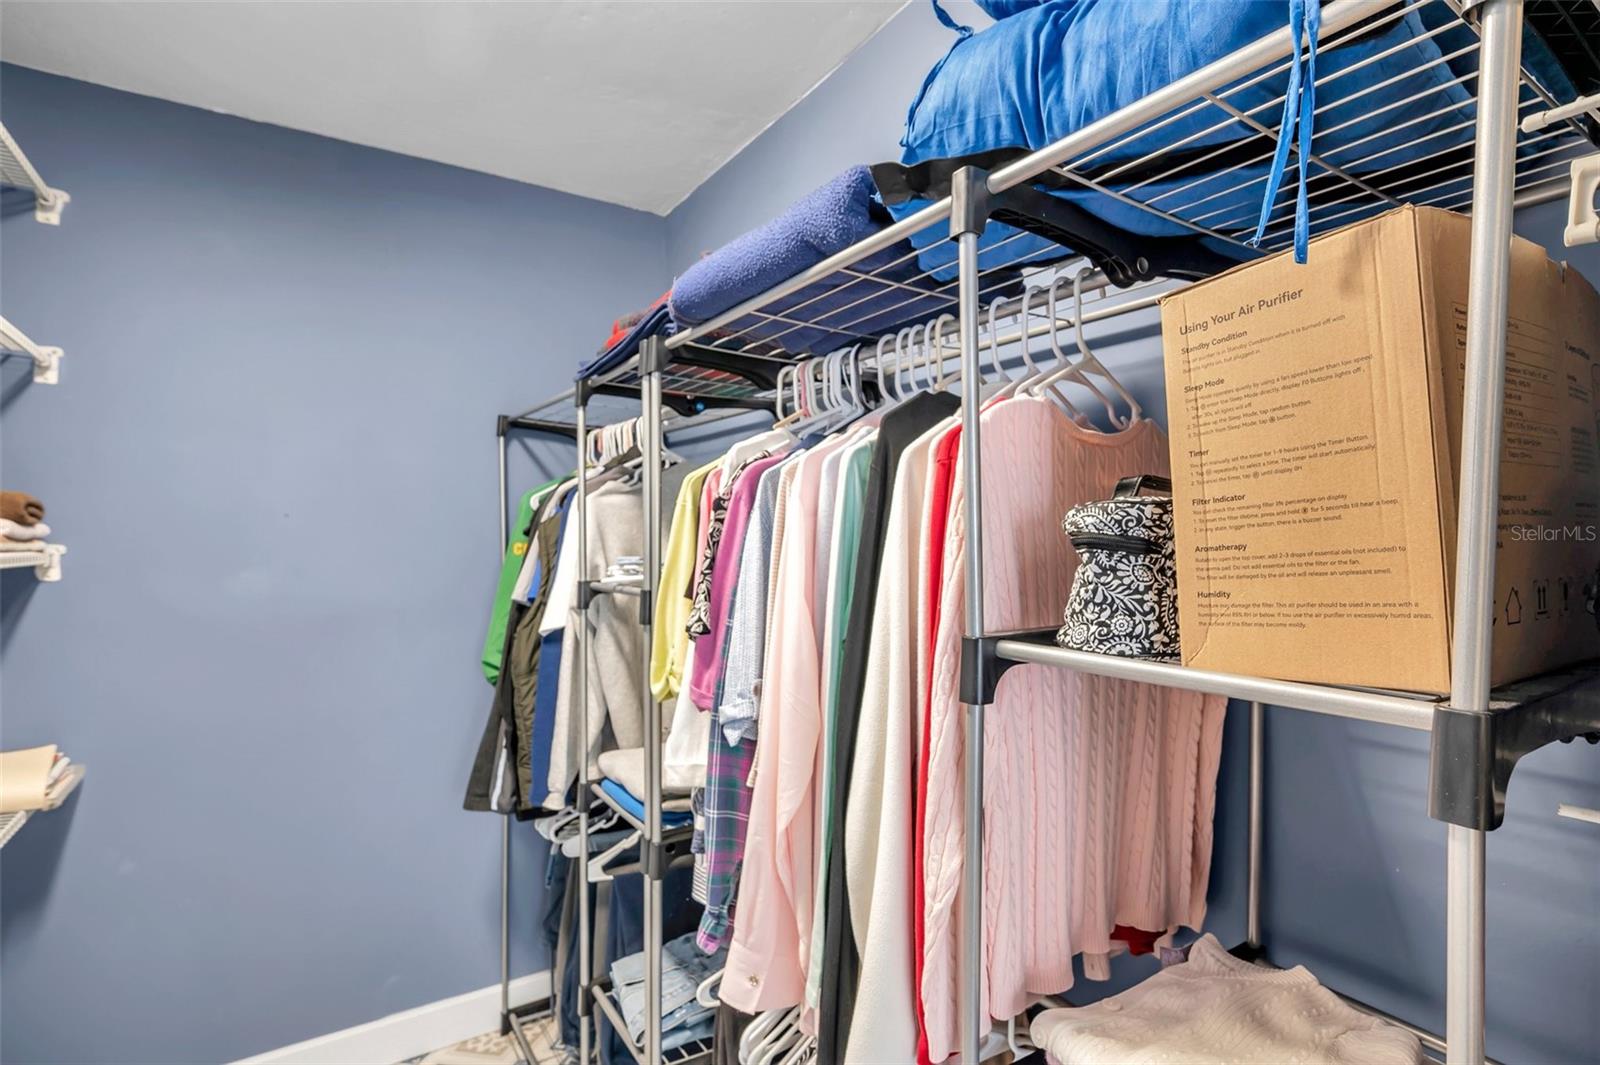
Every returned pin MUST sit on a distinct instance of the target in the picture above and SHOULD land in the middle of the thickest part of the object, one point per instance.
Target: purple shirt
(705, 672)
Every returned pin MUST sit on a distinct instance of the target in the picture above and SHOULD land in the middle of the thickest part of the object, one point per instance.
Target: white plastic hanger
(938, 358)
(1033, 372)
(884, 394)
(1088, 363)
(903, 362)
(765, 1032)
(706, 993)
(803, 1051)
(1066, 369)
(783, 1037)
(756, 1031)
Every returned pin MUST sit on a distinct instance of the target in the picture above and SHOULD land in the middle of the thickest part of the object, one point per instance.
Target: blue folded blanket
(839, 309)
(657, 321)
(627, 800)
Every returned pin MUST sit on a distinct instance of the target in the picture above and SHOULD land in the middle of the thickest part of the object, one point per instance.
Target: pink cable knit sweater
(1098, 794)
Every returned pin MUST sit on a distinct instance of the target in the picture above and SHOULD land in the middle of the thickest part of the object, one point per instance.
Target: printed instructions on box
(1265, 430)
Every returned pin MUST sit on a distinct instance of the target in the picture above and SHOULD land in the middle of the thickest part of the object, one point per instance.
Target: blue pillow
(999, 9)
(1050, 70)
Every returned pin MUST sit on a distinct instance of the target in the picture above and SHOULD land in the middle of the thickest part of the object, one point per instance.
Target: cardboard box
(1315, 420)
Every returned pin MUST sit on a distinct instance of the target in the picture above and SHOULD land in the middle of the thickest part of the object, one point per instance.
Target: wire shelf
(17, 172)
(1394, 124)
(43, 559)
(46, 360)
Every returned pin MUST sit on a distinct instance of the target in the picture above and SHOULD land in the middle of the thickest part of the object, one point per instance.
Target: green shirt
(856, 462)
(494, 643)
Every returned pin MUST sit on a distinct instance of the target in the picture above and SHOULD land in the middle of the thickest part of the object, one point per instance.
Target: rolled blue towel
(827, 221)
(818, 225)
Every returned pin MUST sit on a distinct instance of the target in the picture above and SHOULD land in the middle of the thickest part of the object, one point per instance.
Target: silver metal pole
(505, 822)
(1252, 910)
(1464, 953)
(651, 399)
(974, 1014)
(1355, 703)
(1488, 292)
(580, 868)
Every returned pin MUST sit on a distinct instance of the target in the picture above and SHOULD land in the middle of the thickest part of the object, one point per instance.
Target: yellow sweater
(669, 651)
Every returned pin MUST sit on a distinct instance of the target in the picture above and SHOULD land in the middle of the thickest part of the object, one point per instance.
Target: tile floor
(492, 1048)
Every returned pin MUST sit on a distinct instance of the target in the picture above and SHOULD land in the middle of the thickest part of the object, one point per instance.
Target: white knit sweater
(1216, 1008)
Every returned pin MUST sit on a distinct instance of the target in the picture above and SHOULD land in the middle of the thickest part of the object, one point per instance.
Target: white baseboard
(411, 1032)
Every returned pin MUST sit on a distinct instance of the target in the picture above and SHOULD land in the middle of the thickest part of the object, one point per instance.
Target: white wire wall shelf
(17, 172)
(45, 561)
(11, 824)
(46, 360)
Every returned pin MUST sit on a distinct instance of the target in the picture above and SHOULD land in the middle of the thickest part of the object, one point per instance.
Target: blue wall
(1354, 867)
(271, 457)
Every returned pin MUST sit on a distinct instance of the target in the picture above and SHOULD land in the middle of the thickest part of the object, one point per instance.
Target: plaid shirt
(725, 801)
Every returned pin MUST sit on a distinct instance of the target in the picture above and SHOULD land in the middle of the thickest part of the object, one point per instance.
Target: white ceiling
(635, 103)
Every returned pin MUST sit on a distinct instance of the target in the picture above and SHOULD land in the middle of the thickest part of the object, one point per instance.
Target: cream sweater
(878, 821)
(1098, 794)
(1217, 1008)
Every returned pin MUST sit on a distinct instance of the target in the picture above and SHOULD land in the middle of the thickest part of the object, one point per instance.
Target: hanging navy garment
(841, 964)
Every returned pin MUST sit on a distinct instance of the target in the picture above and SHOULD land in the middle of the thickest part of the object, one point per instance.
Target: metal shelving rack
(1479, 163)
(699, 386)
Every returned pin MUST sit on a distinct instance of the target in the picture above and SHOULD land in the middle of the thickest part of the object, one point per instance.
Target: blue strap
(1299, 109)
(962, 33)
(949, 22)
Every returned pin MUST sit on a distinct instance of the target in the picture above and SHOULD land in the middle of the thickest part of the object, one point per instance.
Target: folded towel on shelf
(657, 320)
(12, 530)
(26, 777)
(624, 324)
(842, 307)
(626, 767)
(631, 803)
(20, 507)
(20, 545)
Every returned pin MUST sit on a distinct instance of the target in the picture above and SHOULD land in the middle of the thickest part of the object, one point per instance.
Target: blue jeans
(683, 968)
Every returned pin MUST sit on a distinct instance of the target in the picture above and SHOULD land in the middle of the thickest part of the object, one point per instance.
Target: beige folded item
(627, 768)
(25, 778)
(21, 545)
(12, 530)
